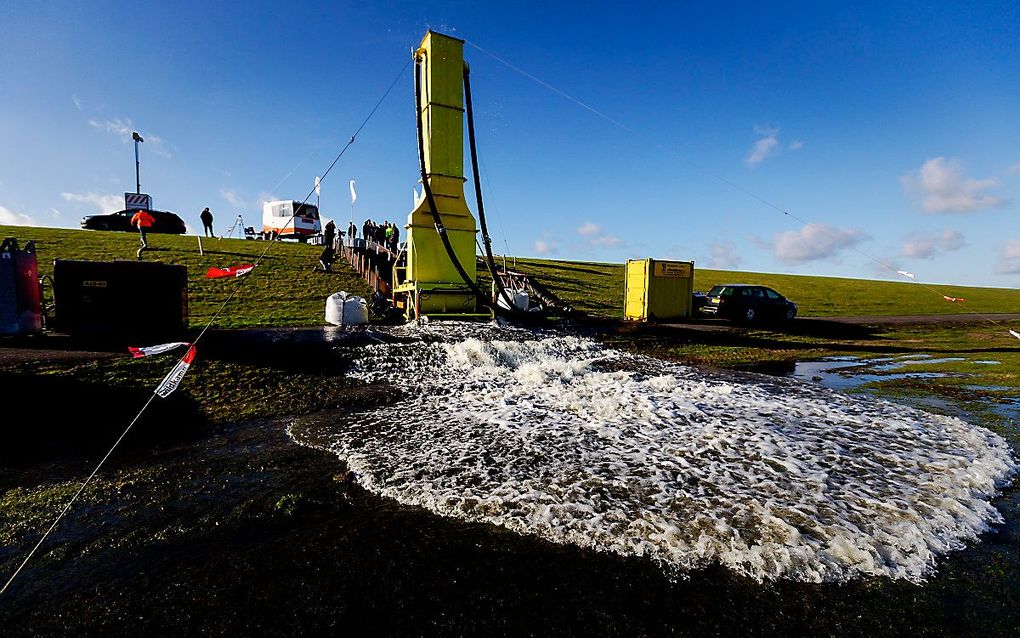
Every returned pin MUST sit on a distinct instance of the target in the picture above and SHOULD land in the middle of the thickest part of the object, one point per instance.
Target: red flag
(954, 299)
(229, 271)
(174, 377)
(162, 348)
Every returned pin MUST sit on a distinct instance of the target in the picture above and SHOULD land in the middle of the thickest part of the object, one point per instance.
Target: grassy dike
(284, 291)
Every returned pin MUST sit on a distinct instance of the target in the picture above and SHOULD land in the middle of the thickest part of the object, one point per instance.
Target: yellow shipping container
(655, 290)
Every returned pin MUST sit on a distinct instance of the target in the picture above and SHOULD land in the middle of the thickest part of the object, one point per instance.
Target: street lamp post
(138, 181)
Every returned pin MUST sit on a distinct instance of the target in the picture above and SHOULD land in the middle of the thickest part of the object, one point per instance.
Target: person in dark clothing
(207, 222)
(396, 237)
(366, 228)
(329, 235)
(328, 250)
(352, 231)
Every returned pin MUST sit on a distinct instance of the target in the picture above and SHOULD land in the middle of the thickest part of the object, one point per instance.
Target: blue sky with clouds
(888, 131)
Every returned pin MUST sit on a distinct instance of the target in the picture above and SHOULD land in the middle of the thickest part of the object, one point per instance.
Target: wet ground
(243, 531)
(229, 529)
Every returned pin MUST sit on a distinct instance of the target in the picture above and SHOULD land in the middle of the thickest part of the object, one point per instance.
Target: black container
(120, 300)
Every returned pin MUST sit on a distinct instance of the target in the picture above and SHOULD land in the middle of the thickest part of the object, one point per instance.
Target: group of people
(385, 233)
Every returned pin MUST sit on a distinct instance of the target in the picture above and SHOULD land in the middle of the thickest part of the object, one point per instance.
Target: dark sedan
(166, 222)
(744, 302)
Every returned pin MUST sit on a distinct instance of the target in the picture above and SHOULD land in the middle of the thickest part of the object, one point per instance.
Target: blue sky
(890, 129)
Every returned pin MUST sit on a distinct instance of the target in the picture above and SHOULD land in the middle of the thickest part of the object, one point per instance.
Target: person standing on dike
(207, 222)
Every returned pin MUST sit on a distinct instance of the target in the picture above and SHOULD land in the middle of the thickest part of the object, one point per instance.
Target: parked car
(166, 222)
(745, 302)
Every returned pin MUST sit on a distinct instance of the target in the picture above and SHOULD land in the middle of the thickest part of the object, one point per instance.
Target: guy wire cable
(240, 284)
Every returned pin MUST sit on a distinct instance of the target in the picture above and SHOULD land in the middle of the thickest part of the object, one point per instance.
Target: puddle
(827, 373)
(1010, 409)
(914, 361)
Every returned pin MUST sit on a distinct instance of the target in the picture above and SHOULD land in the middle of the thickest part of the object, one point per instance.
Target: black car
(745, 302)
(166, 222)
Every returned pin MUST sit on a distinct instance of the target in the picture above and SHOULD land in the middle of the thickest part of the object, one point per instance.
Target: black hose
(440, 228)
(486, 242)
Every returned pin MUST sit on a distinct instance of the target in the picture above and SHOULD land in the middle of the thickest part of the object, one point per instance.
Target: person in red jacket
(143, 221)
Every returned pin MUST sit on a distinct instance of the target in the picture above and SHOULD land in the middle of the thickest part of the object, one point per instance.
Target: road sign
(137, 200)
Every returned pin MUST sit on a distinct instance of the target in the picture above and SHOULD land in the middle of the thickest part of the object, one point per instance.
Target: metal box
(655, 290)
(120, 299)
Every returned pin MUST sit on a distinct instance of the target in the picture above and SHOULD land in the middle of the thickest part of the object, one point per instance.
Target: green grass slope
(598, 288)
(282, 291)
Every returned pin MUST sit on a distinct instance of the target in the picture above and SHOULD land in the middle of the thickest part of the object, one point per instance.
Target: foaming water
(559, 437)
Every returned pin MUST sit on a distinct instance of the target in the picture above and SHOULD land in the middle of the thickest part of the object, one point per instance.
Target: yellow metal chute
(429, 283)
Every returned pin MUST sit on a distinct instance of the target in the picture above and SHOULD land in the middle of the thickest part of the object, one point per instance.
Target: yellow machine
(657, 290)
(429, 282)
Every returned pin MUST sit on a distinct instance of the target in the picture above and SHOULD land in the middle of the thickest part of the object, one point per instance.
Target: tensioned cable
(240, 284)
(714, 175)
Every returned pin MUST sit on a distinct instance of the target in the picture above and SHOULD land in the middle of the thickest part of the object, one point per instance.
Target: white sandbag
(346, 310)
(521, 300)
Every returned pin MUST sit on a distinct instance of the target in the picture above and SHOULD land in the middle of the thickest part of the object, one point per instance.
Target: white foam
(561, 438)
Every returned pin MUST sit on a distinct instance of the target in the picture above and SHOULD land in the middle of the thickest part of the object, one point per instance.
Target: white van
(279, 218)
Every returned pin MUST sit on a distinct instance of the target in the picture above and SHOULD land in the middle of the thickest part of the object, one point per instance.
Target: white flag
(149, 351)
(174, 377)
(318, 183)
(354, 196)
(906, 274)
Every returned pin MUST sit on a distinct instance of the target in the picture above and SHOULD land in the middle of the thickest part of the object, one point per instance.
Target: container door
(637, 289)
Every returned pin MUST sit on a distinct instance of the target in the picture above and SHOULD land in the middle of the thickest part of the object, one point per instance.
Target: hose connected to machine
(486, 242)
(434, 209)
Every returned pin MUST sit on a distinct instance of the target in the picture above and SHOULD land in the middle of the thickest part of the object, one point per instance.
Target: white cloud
(1011, 250)
(927, 245)
(1009, 258)
(119, 127)
(104, 202)
(543, 247)
(943, 188)
(124, 128)
(595, 237)
(764, 148)
(796, 145)
(605, 241)
(77, 101)
(814, 242)
(10, 218)
(232, 198)
(724, 256)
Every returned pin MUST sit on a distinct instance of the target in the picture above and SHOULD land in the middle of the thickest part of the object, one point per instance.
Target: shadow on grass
(59, 416)
(234, 253)
(537, 269)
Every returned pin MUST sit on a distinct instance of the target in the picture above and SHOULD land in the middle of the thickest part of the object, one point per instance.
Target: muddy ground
(227, 528)
(240, 530)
